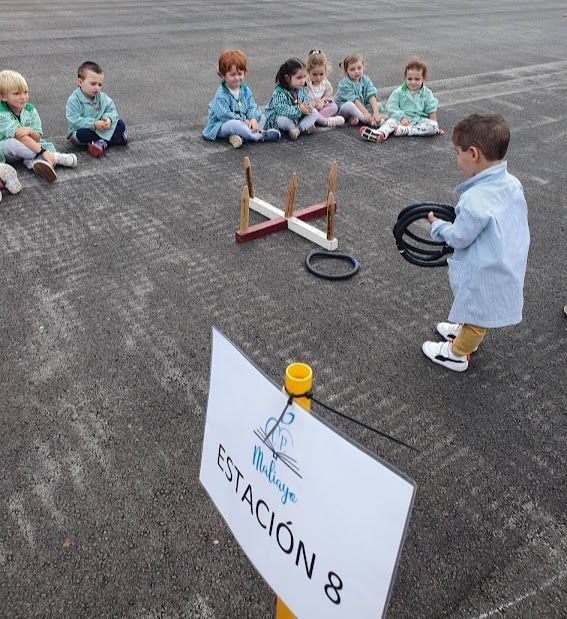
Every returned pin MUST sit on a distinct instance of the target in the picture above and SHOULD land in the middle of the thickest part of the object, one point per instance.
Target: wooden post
(298, 382)
(331, 216)
(290, 199)
(249, 179)
(244, 209)
(332, 180)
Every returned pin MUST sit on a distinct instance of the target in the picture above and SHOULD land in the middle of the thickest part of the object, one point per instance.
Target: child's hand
(367, 118)
(431, 217)
(304, 108)
(21, 132)
(405, 121)
(252, 124)
(440, 131)
(318, 104)
(377, 118)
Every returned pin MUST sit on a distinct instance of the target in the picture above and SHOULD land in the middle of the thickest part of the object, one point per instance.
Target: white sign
(321, 519)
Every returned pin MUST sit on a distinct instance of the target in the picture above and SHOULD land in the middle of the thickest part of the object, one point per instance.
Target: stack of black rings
(426, 253)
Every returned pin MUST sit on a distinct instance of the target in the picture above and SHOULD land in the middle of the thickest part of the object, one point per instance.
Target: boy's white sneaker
(442, 353)
(235, 140)
(448, 330)
(9, 178)
(69, 160)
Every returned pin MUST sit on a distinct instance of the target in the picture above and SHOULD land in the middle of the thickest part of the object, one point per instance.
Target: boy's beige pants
(468, 339)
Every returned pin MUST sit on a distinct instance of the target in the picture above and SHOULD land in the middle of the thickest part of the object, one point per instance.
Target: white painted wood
(295, 225)
(311, 234)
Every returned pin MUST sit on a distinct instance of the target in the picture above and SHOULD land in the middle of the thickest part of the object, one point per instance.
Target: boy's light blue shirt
(225, 107)
(415, 106)
(82, 113)
(491, 239)
(348, 90)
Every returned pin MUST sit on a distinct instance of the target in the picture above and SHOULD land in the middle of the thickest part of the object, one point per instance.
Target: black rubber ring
(317, 253)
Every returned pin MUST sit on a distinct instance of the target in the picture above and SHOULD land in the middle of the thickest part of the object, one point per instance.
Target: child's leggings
(349, 109)
(86, 136)
(285, 123)
(239, 127)
(15, 151)
(329, 109)
(424, 126)
(468, 339)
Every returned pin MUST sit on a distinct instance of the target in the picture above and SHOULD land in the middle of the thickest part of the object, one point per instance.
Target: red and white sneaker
(442, 353)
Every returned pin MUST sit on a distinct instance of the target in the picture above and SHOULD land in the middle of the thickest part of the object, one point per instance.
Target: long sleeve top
(412, 105)
(225, 106)
(82, 113)
(9, 122)
(285, 103)
(491, 239)
(348, 90)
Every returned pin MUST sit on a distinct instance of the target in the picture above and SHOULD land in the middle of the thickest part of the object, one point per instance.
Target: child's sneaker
(353, 121)
(9, 178)
(235, 140)
(372, 135)
(270, 135)
(442, 353)
(293, 134)
(97, 148)
(448, 330)
(69, 160)
(311, 130)
(44, 169)
(335, 121)
(124, 139)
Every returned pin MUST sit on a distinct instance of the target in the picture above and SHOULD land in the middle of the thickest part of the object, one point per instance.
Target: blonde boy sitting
(21, 134)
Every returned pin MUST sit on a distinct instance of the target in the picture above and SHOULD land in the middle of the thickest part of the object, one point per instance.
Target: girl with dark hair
(289, 108)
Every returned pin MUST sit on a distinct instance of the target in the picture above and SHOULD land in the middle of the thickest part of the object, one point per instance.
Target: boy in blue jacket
(233, 113)
(92, 119)
(491, 238)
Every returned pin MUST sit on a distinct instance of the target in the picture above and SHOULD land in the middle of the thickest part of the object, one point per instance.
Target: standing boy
(491, 239)
(92, 118)
(21, 134)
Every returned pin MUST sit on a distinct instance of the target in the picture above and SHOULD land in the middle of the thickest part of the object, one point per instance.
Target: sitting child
(356, 94)
(320, 90)
(21, 134)
(289, 108)
(92, 118)
(233, 112)
(9, 179)
(412, 108)
(491, 239)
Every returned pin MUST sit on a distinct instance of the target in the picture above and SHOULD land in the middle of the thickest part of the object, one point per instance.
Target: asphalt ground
(112, 277)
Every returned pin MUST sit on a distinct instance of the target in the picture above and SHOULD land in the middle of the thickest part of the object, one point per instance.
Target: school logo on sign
(276, 447)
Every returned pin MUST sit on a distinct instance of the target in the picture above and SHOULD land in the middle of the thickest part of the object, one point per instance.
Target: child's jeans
(468, 339)
(239, 127)
(285, 123)
(86, 136)
(329, 109)
(15, 151)
(424, 126)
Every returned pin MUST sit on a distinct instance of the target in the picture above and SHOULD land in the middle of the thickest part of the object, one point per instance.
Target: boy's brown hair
(490, 133)
(230, 58)
(88, 66)
(418, 65)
